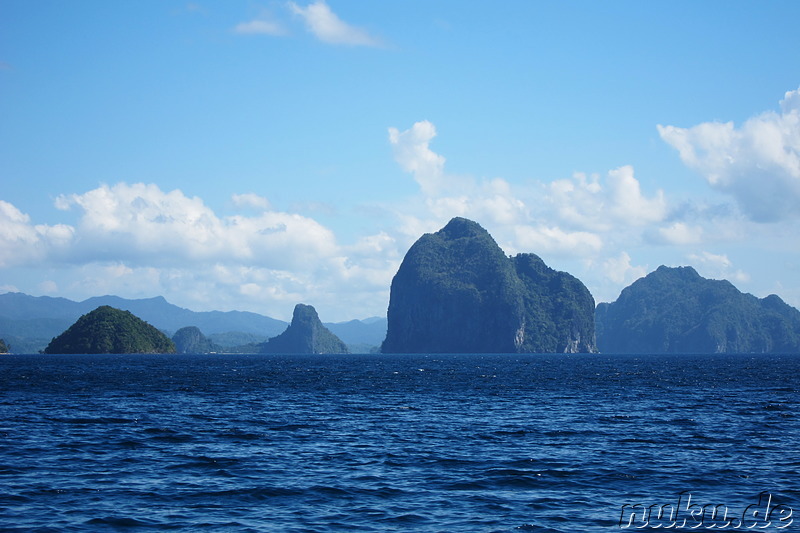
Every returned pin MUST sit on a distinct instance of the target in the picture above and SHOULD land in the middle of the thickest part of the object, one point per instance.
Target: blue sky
(254, 155)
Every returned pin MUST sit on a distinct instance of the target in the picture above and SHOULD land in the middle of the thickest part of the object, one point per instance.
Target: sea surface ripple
(379, 443)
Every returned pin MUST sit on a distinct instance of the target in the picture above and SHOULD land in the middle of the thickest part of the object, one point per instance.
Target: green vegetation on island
(306, 334)
(457, 292)
(675, 310)
(4, 347)
(191, 340)
(110, 330)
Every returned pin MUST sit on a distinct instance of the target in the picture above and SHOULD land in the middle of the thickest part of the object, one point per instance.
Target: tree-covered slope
(4, 347)
(110, 330)
(306, 334)
(191, 340)
(675, 310)
(456, 291)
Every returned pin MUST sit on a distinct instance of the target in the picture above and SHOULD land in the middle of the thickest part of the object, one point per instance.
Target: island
(190, 339)
(675, 310)
(4, 348)
(457, 292)
(113, 331)
(305, 335)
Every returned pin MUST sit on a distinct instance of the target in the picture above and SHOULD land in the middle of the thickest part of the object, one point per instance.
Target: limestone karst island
(455, 292)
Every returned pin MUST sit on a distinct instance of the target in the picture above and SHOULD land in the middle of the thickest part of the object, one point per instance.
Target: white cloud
(261, 26)
(620, 270)
(412, 151)
(328, 27)
(589, 203)
(757, 163)
(679, 233)
(143, 224)
(137, 241)
(717, 266)
(554, 240)
(22, 242)
(250, 200)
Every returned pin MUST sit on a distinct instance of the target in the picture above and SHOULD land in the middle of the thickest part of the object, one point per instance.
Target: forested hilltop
(675, 310)
(110, 330)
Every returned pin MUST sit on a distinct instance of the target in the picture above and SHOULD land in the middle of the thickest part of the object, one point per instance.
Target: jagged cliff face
(457, 292)
(306, 334)
(675, 310)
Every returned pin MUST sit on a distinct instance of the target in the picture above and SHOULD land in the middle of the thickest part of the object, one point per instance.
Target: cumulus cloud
(250, 200)
(679, 233)
(551, 239)
(413, 153)
(565, 217)
(717, 266)
(140, 222)
(587, 202)
(757, 163)
(620, 270)
(22, 242)
(137, 240)
(326, 26)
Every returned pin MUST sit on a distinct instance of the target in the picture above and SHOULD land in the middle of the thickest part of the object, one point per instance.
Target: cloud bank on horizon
(249, 251)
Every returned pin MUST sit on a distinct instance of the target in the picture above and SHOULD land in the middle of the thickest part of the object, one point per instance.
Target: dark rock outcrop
(110, 330)
(457, 292)
(675, 310)
(305, 334)
(191, 340)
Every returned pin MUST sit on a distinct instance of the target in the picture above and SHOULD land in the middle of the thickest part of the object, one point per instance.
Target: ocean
(380, 443)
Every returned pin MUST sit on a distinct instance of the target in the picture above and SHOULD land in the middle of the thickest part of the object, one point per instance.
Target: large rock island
(306, 334)
(675, 310)
(110, 330)
(457, 292)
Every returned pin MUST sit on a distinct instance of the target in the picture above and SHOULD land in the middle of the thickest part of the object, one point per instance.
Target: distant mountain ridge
(29, 323)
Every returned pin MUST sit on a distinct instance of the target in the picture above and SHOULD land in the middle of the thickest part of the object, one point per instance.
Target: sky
(253, 155)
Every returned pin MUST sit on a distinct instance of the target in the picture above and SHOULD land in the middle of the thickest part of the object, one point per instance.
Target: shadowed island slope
(110, 330)
(306, 334)
(675, 310)
(191, 340)
(457, 292)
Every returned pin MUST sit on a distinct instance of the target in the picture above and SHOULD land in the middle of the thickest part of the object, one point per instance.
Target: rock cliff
(306, 334)
(457, 292)
(675, 310)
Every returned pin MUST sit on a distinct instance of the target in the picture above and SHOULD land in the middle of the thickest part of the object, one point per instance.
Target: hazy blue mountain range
(675, 310)
(29, 323)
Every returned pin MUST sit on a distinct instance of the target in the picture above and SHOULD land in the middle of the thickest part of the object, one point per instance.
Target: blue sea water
(428, 443)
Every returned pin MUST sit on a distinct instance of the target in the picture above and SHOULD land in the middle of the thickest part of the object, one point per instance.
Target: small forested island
(190, 339)
(110, 330)
(457, 292)
(4, 347)
(305, 335)
(675, 310)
